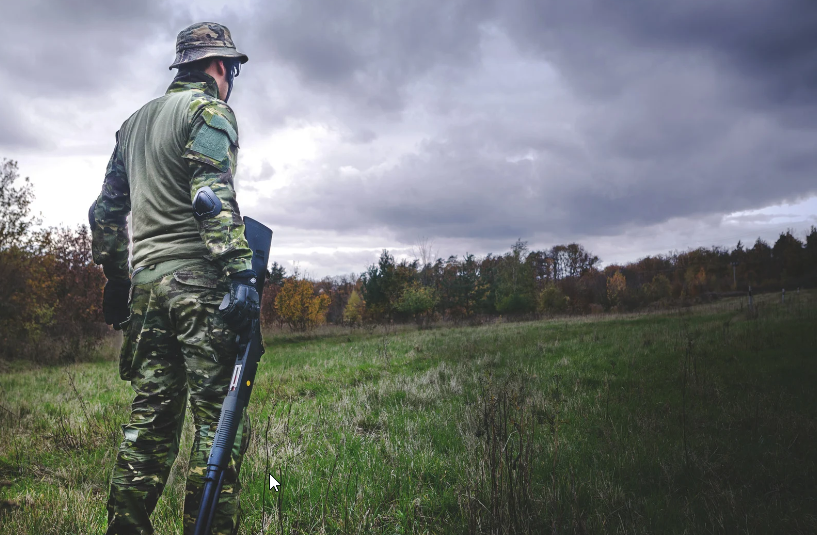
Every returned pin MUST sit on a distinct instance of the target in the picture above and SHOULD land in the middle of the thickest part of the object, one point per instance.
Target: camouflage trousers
(176, 347)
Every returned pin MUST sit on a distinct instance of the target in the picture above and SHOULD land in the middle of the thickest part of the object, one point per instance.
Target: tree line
(50, 302)
(564, 279)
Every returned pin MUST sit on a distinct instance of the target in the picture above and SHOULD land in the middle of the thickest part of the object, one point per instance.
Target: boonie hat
(205, 40)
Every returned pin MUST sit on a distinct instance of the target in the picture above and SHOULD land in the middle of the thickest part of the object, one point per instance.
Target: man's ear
(219, 65)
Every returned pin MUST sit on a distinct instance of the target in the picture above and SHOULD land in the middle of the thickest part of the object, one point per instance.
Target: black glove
(241, 305)
(115, 302)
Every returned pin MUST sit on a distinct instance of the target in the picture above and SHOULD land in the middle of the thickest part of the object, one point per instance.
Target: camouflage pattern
(212, 153)
(211, 156)
(205, 40)
(176, 348)
(110, 212)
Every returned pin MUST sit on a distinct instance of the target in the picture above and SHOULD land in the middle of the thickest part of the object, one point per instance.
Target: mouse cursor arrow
(273, 484)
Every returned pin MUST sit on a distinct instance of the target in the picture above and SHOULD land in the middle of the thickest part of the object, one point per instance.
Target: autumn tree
(696, 279)
(276, 276)
(27, 299)
(339, 289)
(298, 305)
(78, 284)
(616, 286)
(355, 309)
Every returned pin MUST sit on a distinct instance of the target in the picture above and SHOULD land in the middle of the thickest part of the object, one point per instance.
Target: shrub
(552, 300)
(660, 289)
(417, 301)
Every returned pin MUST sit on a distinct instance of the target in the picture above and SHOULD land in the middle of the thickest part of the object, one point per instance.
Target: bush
(516, 304)
(660, 289)
(51, 297)
(552, 300)
(417, 301)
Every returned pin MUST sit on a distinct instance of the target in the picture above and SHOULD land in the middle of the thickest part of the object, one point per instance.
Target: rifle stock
(259, 238)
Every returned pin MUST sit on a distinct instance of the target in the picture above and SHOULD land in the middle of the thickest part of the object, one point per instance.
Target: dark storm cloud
(455, 188)
(372, 50)
(369, 51)
(52, 47)
(684, 109)
(474, 120)
(772, 43)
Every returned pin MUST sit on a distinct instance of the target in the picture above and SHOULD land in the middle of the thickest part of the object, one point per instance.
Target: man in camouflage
(172, 170)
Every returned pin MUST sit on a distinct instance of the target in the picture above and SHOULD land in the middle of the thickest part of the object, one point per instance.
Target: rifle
(259, 238)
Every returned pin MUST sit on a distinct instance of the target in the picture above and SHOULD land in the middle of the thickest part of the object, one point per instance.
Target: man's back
(172, 151)
(153, 141)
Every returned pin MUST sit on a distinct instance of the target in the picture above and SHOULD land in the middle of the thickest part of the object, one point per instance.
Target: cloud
(769, 44)
(368, 52)
(573, 119)
(69, 48)
(471, 122)
(16, 132)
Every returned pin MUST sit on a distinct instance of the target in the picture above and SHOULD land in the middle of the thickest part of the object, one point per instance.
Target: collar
(187, 80)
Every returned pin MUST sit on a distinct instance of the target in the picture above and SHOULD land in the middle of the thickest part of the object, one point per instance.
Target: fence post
(783, 297)
(751, 304)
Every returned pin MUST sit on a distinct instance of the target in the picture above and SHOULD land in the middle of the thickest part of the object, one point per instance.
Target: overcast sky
(634, 127)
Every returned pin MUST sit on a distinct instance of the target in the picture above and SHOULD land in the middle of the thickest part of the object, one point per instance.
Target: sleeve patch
(221, 123)
(213, 143)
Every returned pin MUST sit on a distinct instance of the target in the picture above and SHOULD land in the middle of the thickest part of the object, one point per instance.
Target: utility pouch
(126, 353)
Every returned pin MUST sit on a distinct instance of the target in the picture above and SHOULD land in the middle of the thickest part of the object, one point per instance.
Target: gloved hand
(115, 302)
(241, 305)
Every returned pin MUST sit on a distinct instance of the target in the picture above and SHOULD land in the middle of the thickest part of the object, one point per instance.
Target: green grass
(702, 421)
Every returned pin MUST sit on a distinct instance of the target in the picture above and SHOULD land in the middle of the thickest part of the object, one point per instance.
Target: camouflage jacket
(165, 153)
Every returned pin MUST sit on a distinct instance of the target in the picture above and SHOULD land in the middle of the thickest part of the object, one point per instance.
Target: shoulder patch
(213, 143)
(217, 121)
(216, 140)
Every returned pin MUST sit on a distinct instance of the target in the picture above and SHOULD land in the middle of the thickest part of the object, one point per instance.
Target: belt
(153, 272)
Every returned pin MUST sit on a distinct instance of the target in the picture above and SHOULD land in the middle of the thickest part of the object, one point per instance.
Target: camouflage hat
(205, 40)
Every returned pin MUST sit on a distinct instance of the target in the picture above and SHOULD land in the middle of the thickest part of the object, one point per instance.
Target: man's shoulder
(209, 107)
(147, 111)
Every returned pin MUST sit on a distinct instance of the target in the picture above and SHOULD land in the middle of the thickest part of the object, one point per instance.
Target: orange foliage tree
(299, 307)
(616, 286)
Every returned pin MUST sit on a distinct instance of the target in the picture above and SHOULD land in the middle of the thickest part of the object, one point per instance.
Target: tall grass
(693, 421)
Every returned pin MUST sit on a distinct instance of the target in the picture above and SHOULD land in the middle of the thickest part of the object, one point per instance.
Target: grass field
(701, 421)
